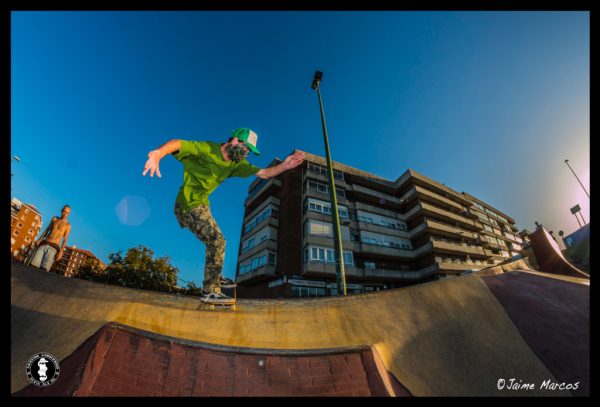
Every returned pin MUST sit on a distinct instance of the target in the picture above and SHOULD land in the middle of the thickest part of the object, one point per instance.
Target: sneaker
(216, 298)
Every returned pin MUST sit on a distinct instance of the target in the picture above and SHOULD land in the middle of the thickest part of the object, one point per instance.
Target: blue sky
(490, 103)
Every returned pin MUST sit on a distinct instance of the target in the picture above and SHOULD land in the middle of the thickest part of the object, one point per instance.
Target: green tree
(137, 269)
(192, 289)
(90, 270)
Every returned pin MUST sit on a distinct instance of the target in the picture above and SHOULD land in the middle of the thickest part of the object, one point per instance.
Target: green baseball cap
(247, 135)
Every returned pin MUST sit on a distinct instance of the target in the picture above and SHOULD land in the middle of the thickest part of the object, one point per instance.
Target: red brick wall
(119, 362)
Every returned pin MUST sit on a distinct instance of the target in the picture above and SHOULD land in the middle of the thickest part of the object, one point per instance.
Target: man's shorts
(44, 257)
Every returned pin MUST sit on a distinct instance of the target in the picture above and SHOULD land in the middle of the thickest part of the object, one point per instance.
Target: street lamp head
(566, 161)
(317, 78)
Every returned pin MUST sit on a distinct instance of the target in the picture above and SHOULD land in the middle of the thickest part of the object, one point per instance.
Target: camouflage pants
(202, 224)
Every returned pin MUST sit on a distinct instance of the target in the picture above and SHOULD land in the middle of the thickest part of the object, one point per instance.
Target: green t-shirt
(203, 171)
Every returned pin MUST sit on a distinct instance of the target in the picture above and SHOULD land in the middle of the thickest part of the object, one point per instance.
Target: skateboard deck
(216, 305)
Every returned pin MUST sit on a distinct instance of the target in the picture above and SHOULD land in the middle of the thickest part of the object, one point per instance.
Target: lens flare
(132, 210)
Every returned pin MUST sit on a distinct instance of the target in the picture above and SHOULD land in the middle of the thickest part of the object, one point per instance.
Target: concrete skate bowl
(549, 257)
(451, 337)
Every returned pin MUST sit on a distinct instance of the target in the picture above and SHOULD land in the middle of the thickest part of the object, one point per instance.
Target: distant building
(72, 259)
(394, 233)
(25, 224)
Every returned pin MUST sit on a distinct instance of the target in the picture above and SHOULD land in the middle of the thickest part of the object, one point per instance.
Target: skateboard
(216, 305)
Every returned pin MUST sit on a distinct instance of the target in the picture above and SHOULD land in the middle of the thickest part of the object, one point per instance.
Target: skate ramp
(448, 338)
(552, 314)
(520, 264)
(549, 257)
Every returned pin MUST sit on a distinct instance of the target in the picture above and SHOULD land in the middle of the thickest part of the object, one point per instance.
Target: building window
(319, 169)
(16, 233)
(303, 292)
(315, 205)
(324, 255)
(257, 262)
(386, 222)
(264, 234)
(270, 211)
(324, 189)
(257, 187)
(348, 259)
(19, 225)
(385, 241)
(28, 239)
(26, 210)
(370, 265)
(30, 231)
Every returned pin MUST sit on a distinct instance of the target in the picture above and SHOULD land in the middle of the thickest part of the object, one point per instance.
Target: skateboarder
(206, 165)
(48, 247)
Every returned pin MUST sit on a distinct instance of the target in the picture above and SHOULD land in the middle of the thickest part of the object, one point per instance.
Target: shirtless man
(48, 247)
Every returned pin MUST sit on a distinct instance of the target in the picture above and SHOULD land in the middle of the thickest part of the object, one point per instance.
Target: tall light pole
(18, 159)
(586, 192)
(337, 235)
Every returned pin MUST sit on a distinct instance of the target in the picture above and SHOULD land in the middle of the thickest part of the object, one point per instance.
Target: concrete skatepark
(452, 337)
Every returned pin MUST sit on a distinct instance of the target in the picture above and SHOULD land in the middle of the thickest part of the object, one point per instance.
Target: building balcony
(267, 244)
(324, 218)
(449, 216)
(459, 267)
(360, 190)
(448, 230)
(271, 221)
(398, 275)
(372, 227)
(320, 269)
(414, 211)
(493, 255)
(327, 242)
(428, 195)
(271, 185)
(270, 200)
(324, 196)
(371, 181)
(262, 273)
(379, 211)
(418, 230)
(374, 249)
(395, 252)
(324, 179)
(457, 248)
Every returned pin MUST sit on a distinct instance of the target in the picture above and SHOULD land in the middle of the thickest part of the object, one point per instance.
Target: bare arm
(44, 233)
(155, 156)
(292, 161)
(64, 243)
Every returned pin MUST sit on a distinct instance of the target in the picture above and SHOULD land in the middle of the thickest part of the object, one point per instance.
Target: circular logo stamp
(42, 369)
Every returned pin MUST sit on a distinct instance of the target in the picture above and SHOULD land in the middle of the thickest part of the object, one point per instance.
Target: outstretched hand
(293, 160)
(152, 164)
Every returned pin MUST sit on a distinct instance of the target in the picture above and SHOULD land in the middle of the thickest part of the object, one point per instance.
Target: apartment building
(394, 233)
(25, 224)
(72, 259)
